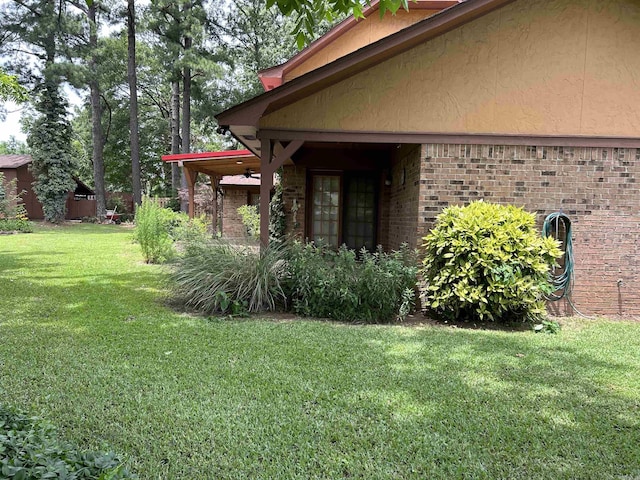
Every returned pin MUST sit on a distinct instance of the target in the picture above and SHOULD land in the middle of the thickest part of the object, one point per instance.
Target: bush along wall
(487, 262)
(345, 285)
(308, 279)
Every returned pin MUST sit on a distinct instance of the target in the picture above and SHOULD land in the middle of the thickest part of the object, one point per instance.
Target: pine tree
(50, 142)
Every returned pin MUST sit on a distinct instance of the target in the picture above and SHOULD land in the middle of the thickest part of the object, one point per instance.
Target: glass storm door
(359, 229)
(325, 214)
(344, 210)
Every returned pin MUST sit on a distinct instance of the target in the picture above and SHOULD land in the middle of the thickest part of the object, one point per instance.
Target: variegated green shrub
(487, 261)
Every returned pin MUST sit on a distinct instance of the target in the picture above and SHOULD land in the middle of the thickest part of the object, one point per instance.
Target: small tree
(487, 261)
(13, 215)
(9, 198)
(50, 143)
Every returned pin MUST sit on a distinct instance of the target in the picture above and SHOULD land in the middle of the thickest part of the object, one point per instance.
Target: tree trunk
(175, 133)
(133, 104)
(186, 100)
(97, 135)
(186, 125)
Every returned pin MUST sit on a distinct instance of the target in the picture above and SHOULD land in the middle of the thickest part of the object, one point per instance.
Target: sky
(11, 125)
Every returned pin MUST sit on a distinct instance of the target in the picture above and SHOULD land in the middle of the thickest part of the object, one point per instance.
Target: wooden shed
(80, 201)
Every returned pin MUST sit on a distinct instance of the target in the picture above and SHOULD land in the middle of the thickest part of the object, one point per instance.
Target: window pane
(360, 212)
(326, 200)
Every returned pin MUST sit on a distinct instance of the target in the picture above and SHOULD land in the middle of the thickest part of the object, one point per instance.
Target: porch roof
(229, 162)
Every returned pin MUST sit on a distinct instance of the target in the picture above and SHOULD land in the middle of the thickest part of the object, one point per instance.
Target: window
(325, 214)
(360, 213)
(254, 199)
(344, 210)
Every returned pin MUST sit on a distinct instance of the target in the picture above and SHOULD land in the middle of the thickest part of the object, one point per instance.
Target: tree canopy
(10, 89)
(193, 58)
(309, 13)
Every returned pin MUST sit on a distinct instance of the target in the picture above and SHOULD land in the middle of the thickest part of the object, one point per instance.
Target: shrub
(368, 287)
(187, 231)
(118, 202)
(174, 203)
(13, 215)
(218, 277)
(250, 219)
(487, 261)
(152, 231)
(30, 449)
(15, 225)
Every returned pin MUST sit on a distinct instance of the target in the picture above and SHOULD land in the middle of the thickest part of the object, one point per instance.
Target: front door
(344, 209)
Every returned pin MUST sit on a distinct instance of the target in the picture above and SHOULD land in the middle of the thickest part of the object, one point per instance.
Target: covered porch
(215, 165)
(335, 192)
(231, 170)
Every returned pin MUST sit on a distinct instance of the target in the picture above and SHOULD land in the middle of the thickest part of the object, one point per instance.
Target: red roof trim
(176, 157)
(273, 77)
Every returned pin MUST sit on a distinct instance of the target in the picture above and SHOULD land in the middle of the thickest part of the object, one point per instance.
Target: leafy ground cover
(87, 343)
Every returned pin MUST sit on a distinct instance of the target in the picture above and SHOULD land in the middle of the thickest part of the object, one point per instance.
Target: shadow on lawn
(86, 296)
(517, 408)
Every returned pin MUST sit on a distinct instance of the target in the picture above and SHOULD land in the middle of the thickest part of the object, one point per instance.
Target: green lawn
(86, 342)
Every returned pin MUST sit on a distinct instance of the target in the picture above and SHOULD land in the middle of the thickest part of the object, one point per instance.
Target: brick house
(80, 201)
(384, 122)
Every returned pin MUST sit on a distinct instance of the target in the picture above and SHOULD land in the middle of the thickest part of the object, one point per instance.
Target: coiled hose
(558, 224)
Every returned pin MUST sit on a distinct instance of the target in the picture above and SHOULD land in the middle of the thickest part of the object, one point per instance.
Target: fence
(200, 209)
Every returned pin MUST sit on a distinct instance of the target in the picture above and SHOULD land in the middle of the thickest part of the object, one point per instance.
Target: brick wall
(403, 198)
(294, 182)
(232, 226)
(596, 187)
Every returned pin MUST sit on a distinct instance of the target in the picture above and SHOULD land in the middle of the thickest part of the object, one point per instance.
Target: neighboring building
(528, 102)
(80, 202)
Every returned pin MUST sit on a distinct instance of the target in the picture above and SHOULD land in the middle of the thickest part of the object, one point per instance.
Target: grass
(87, 343)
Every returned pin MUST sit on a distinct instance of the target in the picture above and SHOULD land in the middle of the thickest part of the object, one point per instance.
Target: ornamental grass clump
(219, 277)
(487, 262)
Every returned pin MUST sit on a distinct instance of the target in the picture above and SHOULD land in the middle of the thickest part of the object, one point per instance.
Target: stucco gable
(543, 67)
(348, 36)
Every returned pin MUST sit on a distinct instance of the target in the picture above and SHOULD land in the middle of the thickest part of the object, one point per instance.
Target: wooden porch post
(215, 183)
(266, 184)
(269, 163)
(191, 176)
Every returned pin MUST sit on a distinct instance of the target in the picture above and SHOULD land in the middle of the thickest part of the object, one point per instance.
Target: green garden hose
(555, 225)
